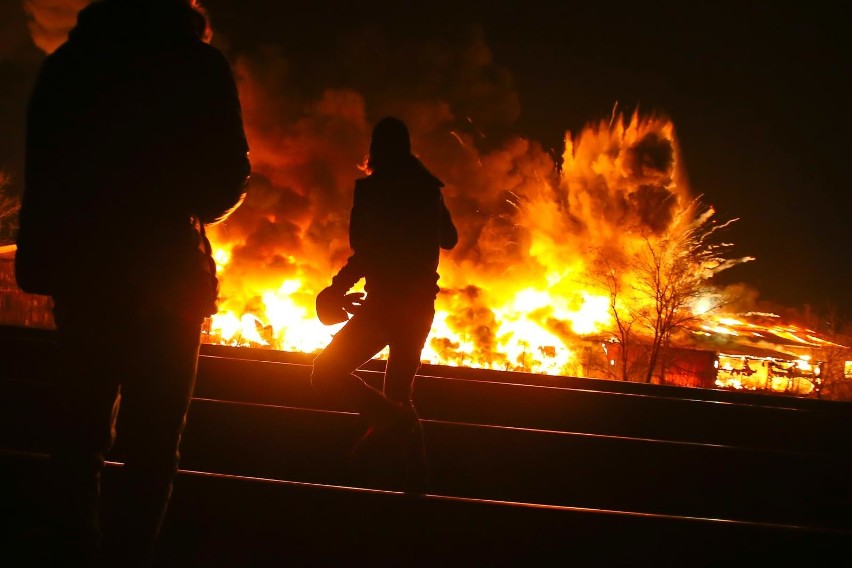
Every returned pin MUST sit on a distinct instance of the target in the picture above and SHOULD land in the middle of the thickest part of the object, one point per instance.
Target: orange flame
(513, 294)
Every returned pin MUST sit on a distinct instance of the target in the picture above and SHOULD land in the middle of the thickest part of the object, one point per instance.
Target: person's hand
(330, 306)
(353, 302)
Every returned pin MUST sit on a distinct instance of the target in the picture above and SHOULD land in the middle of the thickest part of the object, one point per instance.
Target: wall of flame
(515, 292)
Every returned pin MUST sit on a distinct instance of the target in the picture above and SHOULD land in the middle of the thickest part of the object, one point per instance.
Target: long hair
(390, 144)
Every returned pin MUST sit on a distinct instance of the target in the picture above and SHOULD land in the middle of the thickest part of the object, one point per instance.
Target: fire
(796, 340)
(792, 366)
(515, 294)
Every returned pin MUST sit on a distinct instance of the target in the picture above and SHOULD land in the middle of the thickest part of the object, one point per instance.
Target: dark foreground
(524, 471)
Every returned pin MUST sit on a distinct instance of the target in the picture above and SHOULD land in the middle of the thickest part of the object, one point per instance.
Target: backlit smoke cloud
(306, 151)
(51, 20)
(507, 195)
(526, 225)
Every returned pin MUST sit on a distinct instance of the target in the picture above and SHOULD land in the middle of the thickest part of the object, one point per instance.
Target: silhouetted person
(398, 225)
(134, 135)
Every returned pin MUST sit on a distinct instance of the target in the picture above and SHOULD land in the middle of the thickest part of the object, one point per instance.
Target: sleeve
(53, 160)
(353, 270)
(449, 234)
(347, 276)
(46, 150)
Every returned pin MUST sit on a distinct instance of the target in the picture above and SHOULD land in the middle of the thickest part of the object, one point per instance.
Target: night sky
(754, 90)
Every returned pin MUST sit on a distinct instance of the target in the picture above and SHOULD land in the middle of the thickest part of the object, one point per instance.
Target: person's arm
(51, 155)
(52, 160)
(353, 270)
(347, 276)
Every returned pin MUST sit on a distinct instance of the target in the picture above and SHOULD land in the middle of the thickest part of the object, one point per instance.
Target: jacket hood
(128, 21)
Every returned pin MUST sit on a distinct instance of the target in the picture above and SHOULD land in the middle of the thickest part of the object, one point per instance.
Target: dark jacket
(134, 127)
(398, 225)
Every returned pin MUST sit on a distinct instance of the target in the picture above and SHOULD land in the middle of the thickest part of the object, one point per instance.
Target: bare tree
(607, 274)
(672, 273)
(655, 290)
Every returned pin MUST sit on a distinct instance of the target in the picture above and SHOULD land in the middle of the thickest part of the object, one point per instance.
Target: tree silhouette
(661, 285)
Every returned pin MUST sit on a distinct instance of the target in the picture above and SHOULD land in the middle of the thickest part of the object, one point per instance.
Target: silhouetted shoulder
(212, 55)
(362, 183)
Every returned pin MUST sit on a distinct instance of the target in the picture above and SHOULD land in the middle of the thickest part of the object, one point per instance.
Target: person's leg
(410, 327)
(155, 398)
(83, 418)
(359, 340)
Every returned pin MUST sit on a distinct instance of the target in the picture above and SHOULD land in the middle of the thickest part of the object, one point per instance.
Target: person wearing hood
(398, 225)
(135, 141)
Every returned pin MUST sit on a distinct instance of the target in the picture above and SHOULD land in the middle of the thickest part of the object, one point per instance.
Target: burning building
(757, 352)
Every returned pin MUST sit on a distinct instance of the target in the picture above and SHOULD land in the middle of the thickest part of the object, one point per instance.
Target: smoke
(624, 178)
(471, 312)
(307, 143)
(51, 20)
(524, 223)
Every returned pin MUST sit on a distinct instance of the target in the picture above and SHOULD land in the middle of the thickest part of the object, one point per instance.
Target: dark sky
(754, 90)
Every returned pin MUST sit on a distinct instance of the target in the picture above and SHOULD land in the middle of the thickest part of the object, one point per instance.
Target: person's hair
(390, 143)
(189, 14)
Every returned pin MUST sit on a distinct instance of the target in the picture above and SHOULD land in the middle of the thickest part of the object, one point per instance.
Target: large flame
(50, 20)
(514, 293)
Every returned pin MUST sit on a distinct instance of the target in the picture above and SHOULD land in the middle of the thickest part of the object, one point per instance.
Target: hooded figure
(134, 141)
(398, 225)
